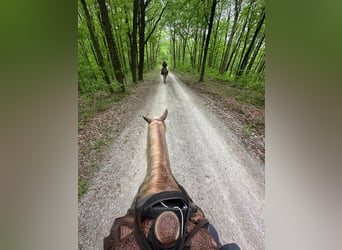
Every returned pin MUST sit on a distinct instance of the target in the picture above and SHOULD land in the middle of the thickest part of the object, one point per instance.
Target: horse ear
(147, 119)
(164, 115)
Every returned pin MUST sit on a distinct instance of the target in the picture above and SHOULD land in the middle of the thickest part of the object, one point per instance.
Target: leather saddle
(167, 220)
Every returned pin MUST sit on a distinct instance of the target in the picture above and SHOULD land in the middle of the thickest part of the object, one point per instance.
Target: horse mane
(158, 177)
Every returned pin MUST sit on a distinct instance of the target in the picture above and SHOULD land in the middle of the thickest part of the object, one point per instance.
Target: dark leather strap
(139, 234)
(187, 239)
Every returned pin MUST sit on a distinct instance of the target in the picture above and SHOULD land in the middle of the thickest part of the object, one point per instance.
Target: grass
(248, 131)
(90, 104)
(99, 144)
(103, 142)
(241, 92)
(92, 101)
(82, 187)
(245, 90)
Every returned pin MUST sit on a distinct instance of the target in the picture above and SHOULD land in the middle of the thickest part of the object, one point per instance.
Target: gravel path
(206, 158)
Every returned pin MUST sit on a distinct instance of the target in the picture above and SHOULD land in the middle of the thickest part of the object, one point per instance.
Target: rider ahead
(164, 65)
(164, 68)
(164, 71)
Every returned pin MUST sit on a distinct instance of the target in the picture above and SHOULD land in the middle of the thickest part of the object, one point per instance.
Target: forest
(119, 41)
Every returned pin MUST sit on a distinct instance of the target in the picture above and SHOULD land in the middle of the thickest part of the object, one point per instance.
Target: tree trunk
(213, 49)
(246, 57)
(174, 48)
(235, 51)
(184, 50)
(111, 44)
(85, 55)
(232, 33)
(156, 23)
(210, 26)
(180, 50)
(129, 35)
(142, 23)
(247, 35)
(95, 42)
(195, 49)
(255, 53)
(261, 67)
(233, 55)
(200, 54)
(225, 43)
(134, 46)
(259, 63)
(123, 55)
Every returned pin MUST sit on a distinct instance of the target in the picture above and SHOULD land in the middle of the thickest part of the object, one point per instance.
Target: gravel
(225, 180)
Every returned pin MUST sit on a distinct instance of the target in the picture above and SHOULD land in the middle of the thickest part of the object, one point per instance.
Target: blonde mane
(158, 177)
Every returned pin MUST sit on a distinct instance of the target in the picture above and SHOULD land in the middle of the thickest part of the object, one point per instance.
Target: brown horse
(164, 72)
(162, 215)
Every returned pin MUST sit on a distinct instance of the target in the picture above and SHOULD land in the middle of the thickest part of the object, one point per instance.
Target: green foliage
(248, 131)
(80, 126)
(245, 89)
(185, 34)
(82, 187)
(99, 144)
(186, 68)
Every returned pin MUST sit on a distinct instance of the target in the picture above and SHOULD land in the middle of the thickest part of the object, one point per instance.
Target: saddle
(167, 220)
(164, 71)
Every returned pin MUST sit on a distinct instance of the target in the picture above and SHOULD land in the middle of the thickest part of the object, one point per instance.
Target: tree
(232, 33)
(96, 45)
(114, 55)
(210, 26)
(227, 36)
(246, 56)
(256, 51)
(143, 5)
(133, 41)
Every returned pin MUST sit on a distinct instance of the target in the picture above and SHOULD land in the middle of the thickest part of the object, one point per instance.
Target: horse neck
(158, 177)
(158, 156)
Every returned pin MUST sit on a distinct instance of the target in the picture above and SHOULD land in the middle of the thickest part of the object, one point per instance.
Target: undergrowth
(95, 100)
(247, 89)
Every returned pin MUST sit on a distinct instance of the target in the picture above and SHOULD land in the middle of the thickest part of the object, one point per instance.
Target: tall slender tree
(137, 34)
(232, 33)
(210, 26)
(255, 53)
(134, 46)
(246, 56)
(96, 45)
(114, 55)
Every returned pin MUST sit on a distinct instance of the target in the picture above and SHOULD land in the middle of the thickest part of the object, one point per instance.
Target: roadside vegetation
(220, 44)
(240, 104)
(249, 90)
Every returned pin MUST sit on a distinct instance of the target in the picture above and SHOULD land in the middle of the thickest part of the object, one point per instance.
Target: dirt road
(206, 158)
